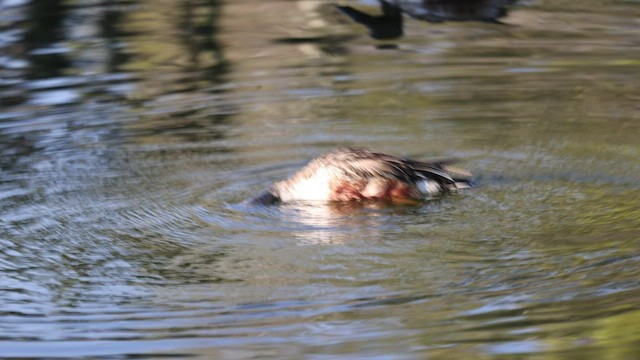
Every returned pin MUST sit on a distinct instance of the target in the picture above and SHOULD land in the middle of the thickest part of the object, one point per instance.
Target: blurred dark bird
(389, 24)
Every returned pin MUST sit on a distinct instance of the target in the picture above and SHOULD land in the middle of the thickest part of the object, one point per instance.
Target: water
(132, 134)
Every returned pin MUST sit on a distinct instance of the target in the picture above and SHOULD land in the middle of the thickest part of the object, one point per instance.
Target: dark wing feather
(363, 162)
(432, 171)
(381, 164)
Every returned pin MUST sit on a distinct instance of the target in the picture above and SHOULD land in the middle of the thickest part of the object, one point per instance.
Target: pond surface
(132, 133)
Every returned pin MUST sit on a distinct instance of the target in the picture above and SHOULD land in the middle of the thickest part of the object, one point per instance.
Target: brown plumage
(358, 174)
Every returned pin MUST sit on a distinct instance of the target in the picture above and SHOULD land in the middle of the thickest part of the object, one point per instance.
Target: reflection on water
(131, 139)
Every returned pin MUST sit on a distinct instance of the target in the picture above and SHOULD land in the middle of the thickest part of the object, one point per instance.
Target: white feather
(429, 187)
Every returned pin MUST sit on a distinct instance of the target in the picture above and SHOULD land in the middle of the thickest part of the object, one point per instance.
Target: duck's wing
(451, 177)
(435, 171)
(443, 166)
(362, 162)
(358, 162)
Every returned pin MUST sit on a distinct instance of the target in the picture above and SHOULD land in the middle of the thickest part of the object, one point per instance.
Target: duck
(360, 174)
(389, 25)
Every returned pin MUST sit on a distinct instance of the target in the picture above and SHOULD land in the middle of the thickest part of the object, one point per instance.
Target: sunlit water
(132, 134)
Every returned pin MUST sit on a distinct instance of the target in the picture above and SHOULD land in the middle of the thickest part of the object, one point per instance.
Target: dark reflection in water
(133, 132)
(389, 25)
(42, 39)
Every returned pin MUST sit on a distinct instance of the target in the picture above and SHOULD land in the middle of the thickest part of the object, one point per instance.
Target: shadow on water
(389, 25)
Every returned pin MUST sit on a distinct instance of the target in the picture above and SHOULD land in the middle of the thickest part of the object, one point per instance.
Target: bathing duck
(355, 174)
